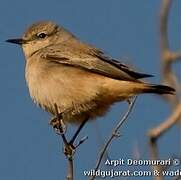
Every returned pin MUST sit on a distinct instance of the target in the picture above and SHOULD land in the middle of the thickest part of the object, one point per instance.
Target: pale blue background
(29, 149)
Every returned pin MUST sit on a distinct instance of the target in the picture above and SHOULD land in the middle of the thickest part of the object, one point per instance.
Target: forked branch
(115, 133)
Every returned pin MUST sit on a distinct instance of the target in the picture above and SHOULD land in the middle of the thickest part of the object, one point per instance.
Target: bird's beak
(16, 41)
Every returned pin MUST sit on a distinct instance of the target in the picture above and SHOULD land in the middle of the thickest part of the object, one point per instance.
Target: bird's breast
(68, 87)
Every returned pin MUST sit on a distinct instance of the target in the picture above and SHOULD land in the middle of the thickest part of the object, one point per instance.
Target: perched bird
(80, 79)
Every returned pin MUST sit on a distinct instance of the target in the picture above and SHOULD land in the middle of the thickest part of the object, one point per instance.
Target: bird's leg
(78, 131)
(129, 100)
(58, 124)
(70, 147)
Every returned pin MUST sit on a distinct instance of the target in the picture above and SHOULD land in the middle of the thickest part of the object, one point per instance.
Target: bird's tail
(158, 89)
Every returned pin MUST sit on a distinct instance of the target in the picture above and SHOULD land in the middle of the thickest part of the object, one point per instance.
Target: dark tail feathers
(160, 89)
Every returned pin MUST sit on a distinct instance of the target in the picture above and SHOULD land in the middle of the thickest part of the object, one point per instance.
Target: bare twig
(154, 156)
(164, 12)
(78, 131)
(167, 124)
(167, 55)
(114, 134)
(156, 132)
(68, 148)
(168, 76)
(70, 171)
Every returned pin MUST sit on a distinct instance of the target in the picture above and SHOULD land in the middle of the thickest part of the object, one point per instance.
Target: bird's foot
(69, 150)
(58, 125)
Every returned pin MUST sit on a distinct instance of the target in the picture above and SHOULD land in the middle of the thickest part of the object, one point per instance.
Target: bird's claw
(58, 125)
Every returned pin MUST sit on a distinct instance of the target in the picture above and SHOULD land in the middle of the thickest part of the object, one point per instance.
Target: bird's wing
(92, 60)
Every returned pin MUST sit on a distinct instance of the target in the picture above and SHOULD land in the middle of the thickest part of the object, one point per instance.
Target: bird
(79, 78)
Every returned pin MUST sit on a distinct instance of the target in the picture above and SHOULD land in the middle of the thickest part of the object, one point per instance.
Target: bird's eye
(41, 35)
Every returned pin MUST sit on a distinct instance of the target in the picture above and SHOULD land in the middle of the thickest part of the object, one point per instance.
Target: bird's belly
(76, 93)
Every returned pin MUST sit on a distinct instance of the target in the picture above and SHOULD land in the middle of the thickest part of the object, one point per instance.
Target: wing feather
(92, 60)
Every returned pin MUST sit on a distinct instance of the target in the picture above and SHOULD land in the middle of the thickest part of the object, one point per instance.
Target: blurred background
(127, 30)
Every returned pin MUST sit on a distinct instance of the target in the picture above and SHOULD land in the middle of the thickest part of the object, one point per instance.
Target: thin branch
(156, 132)
(164, 12)
(167, 124)
(114, 134)
(70, 170)
(78, 131)
(68, 148)
(167, 54)
(167, 57)
(154, 156)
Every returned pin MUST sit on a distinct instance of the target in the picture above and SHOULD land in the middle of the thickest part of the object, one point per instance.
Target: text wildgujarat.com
(116, 173)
